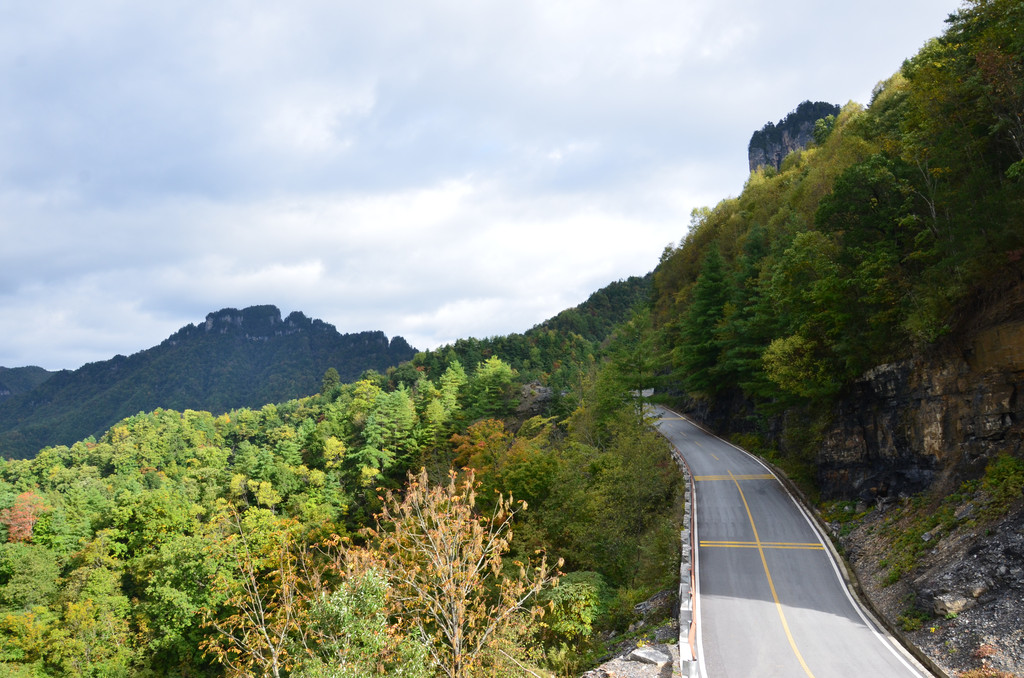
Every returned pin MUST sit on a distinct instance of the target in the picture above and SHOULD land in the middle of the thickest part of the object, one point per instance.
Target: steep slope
(235, 358)
(857, 315)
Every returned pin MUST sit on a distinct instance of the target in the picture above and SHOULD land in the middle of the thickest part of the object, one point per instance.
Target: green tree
(452, 384)
(93, 637)
(390, 434)
(700, 350)
(174, 583)
(330, 383)
(822, 128)
(492, 390)
(351, 635)
(28, 576)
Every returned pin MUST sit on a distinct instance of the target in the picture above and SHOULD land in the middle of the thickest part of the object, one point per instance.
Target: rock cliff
(931, 423)
(773, 142)
(938, 418)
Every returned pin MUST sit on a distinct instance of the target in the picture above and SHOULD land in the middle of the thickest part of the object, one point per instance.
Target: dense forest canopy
(267, 541)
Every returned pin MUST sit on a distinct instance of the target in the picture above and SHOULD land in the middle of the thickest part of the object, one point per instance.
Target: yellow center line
(771, 584)
(715, 458)
(764, 544)
(757, 476)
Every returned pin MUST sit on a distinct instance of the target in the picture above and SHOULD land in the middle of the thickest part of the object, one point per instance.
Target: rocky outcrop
(534, 400)
(961, 604)
(773, 142)
(932, 423)
(650, 651)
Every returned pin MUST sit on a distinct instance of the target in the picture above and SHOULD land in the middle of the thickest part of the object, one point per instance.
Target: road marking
(887, 641)
(771, 584)
(715, 457)
(763, 544)
(731, 477)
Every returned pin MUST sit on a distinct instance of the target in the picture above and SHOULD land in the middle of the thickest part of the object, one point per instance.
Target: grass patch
(913, 619)
(1003, 485)
(995, 495)
(844, 514)
(906, 530)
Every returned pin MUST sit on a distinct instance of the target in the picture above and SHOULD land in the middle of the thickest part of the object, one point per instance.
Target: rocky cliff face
(772, 143)
(934, 419)
(931, 423)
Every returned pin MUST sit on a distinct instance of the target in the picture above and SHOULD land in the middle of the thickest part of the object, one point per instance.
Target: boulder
(650, 655)
(951, 604)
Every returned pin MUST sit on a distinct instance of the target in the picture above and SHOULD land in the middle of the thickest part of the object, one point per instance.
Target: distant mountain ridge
(236, 358)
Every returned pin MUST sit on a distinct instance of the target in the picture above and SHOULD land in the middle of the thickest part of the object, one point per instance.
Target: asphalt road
(771, 601)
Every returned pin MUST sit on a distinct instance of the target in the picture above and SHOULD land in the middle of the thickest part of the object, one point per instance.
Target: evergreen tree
(699, 351)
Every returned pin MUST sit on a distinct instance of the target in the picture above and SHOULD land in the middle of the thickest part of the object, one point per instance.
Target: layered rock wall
(908, 425)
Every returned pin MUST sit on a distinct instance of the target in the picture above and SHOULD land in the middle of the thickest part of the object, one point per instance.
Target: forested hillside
(15, 380)
(553, 352)
(855, 316)
(859, 250)
(188, 544)
(235, 358)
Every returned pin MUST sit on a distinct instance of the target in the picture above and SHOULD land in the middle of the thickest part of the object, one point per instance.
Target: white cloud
(436, 169)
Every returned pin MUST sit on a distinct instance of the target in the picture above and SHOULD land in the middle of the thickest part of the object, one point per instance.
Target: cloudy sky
(431, 168)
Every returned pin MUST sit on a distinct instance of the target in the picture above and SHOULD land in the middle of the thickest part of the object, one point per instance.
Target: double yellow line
(763, 544)
(756, 476)
(760, 546)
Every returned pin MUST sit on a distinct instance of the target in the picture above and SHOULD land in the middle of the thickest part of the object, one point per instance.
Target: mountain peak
(235, 358)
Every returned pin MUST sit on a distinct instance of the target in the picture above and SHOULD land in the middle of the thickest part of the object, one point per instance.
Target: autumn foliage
(22, 517)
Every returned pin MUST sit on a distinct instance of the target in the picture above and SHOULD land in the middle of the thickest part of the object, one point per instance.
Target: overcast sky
(433, 169)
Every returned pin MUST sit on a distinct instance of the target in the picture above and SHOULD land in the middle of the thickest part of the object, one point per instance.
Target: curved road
(770, 600)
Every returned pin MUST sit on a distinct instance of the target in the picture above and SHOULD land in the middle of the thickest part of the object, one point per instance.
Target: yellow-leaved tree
(449, 581)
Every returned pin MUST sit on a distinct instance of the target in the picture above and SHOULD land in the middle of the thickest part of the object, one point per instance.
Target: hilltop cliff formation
(773, 142)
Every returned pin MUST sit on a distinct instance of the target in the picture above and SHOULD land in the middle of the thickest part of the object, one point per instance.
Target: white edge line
(873, 626)
(702, 670)
(886, 640)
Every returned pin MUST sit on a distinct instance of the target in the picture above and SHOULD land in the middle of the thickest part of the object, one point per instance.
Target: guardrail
(687, 577)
